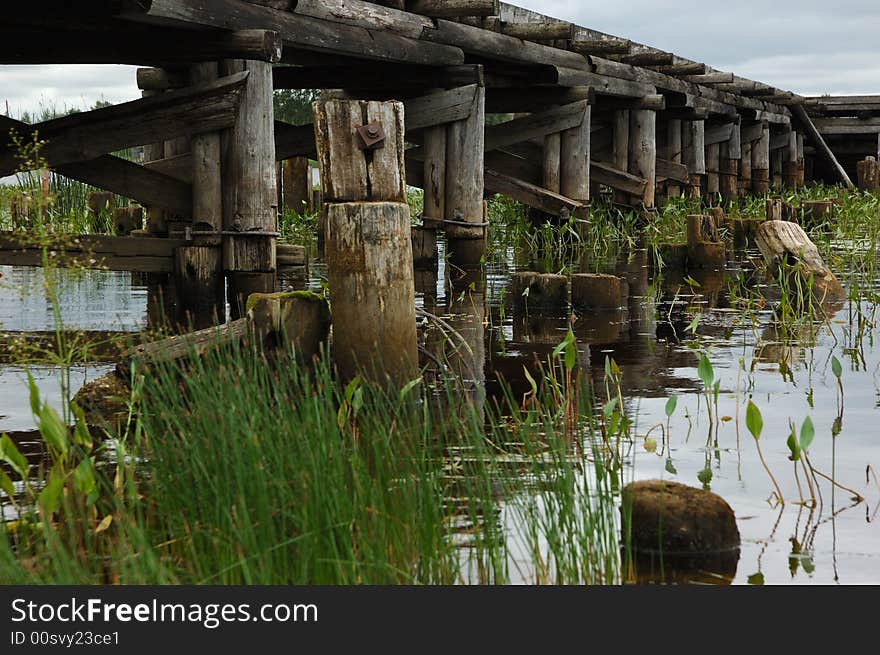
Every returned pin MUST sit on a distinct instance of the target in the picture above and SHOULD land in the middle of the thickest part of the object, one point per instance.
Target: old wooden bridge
(590, 110)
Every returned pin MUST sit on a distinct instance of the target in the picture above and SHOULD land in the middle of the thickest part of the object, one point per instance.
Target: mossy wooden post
(693, 139)
(643, 151)
(368, 246)
(761, 163)
(868, 174)
(295, 187)
(250, 189)
(465, 210)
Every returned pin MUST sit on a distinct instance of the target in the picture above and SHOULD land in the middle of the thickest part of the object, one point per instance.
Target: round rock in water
(677, 519)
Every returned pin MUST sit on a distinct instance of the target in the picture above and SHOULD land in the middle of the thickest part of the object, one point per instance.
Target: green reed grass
(255, 473)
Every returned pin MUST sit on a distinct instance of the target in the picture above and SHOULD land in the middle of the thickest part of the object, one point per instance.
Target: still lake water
(657, 343)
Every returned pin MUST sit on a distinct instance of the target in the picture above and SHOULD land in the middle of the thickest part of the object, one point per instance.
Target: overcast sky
(807, 46)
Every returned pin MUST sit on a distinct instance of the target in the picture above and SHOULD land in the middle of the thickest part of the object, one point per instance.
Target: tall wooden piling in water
(643, 150)
(367, 238)
(761, 163)
(250, 193)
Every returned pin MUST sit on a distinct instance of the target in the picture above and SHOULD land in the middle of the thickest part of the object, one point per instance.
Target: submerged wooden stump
(539, 290)
(817, 210)
(869, 174)
(704, 248)
(674, 518)
(783, 242)
(424, 245)
(598, 291)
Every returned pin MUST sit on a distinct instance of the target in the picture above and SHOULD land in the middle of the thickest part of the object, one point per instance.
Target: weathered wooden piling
(295, 184)
(574, 167)
(539, 290)
(643, 151)
(694, 153)
(868, 174)
(761, 163)
(368, 244)
(465, 219)
(591, 291)
(673, 152)
(250, 195)
(705, 249)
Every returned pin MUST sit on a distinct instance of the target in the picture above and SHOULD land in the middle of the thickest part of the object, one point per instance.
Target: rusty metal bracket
(372, 135)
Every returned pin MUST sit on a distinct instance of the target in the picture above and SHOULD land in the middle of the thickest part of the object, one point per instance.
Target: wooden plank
(299, 31)
(535, 125)
(85, 46)
(672, 170)
(816, 137)
(439, 108)
(718, 133)
(606, 174)
(549, 30)
(368, 75)
(454, 8)
(586, 46)
(365, 14)
(715, 77)
(84, 136)
(530, 194)
(490, 45)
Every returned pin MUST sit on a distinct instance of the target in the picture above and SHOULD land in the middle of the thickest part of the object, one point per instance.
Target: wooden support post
(776, 161)
(250, 194)
(745, 169)
(801, 163)
(761, 163)
(574, 167)
(728, 172)
(198, 277)
(643, 151)
(790, 161)
(620, 148)
(673, 153)
(465, 209)
(868, 174)
(368, 243)
(434, 206)
(295, 184)
(713, 166)
(550, 168)
(693, 138)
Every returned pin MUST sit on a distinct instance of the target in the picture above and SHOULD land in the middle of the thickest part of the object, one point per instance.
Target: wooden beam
(547, 31)
(715, 77)
(681, 70)
(371, 15)
(514, 100)
(672, 170)
(601, 46)
(648, 59)
(453, 8)
(84, 136)
(53, 46)
(535, 125)
(299, 31)
(365, 75)
(604, 173)
(816, 137)
(530, 194)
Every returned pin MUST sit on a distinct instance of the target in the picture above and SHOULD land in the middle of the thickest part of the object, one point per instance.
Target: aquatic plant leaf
(670, 467)
(754, 420)
(54, 430)
(409, 386)
(705, 371)
(6, 484)
(50, 496)
(837, 426)
(10, 454)
(81, 435)
(608, 408)
(705, 476)
(84, 477)
(756, 578)
(671, 404)
(532, 382)
(692, 326)
(836, 367)
(104, 524)
(807, 433)
(34, 396)
(793, 446)
(570, 351)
